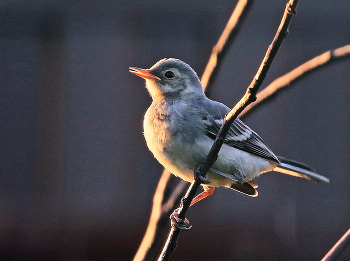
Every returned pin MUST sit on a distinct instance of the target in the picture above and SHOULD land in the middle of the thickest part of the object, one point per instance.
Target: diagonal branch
(249, 97)
(298, 73)
(338, 248)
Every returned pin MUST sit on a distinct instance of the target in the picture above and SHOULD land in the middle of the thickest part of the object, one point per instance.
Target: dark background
(76, 178)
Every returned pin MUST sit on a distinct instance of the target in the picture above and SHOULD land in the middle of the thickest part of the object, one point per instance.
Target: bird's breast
(156, 124)
(167, 140)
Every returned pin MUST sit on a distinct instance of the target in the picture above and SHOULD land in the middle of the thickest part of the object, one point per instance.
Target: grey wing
(240, 136)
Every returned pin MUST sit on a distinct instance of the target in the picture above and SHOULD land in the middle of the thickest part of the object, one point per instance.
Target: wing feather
(239, 136)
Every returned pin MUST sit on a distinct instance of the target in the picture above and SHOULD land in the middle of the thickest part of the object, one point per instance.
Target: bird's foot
(182, 224)
(199, 177)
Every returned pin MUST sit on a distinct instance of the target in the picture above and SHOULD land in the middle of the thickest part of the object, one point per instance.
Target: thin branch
(249, 97)
(149, 242)
(338, 248)
(298, 73)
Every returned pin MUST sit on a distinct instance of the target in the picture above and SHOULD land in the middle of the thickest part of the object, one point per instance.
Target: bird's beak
(144, 73)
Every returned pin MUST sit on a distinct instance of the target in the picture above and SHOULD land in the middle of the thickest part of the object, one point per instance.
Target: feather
(240, 136)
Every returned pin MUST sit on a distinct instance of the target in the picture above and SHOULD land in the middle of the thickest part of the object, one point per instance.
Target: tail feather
(298, 169)
(247, 188)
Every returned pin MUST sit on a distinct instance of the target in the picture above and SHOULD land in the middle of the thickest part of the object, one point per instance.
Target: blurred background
(76, 178)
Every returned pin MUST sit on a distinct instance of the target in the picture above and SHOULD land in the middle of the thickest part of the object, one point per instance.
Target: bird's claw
(182, 224)
(199, 177)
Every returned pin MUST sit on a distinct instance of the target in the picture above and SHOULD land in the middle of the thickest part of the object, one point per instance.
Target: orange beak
(144, 73)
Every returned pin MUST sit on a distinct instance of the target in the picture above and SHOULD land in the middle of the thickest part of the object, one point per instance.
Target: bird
(180, 127)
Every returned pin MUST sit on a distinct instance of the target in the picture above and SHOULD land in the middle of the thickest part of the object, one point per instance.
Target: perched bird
(181, 125)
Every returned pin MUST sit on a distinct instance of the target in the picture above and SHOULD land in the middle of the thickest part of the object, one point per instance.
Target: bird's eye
(169, 74)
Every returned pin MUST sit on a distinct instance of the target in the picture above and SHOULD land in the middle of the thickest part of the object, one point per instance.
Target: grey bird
(180, 127)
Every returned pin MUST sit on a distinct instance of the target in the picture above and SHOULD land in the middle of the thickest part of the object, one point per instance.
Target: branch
(338, 248)
(149, 243)
(249, 97)
(298, 73)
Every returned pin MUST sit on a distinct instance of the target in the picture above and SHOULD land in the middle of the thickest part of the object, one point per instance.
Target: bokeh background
(76, 178)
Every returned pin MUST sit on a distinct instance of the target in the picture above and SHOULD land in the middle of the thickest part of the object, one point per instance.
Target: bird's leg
(182, 224)
(199, 177)
(207, 192)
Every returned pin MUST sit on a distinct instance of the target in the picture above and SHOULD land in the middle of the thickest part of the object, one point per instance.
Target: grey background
(76, 178)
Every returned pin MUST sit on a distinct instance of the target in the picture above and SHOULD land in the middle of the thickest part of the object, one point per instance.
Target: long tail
(298, 169)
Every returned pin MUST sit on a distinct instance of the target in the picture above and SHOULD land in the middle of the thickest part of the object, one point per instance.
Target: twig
(298, 73)
(338, 248)
(249, 97)
(148, 244)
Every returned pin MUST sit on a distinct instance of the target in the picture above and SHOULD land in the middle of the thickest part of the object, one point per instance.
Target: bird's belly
(166, 158)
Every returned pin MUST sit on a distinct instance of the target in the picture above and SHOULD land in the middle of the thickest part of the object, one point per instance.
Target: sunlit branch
(298, 73)
(338, 248)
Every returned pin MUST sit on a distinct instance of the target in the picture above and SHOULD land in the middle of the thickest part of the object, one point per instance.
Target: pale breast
(155, 126)
(167, 140)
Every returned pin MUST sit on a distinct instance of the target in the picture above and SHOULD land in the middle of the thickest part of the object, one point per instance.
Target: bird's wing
(239, 136)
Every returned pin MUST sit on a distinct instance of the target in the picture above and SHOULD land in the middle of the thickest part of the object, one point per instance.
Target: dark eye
(169, 74)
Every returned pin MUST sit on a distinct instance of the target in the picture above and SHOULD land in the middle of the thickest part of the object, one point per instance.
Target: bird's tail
(298, 169)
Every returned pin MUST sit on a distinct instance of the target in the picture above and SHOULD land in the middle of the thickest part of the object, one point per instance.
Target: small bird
(180, 127)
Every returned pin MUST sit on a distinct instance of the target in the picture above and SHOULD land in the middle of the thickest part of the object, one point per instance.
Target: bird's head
(170, 79)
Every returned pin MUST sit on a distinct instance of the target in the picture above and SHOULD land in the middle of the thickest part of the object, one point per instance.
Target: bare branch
(298, 73)
(338, 248)
(249, 97)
